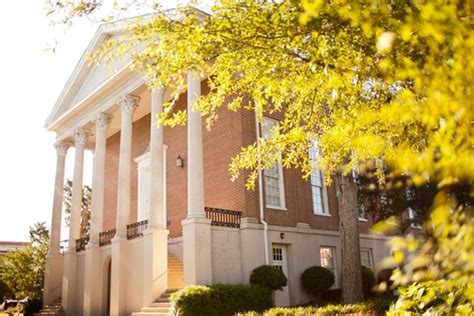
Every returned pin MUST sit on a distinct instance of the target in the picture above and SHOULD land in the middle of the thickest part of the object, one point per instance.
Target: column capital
(80, 136)
(158, 89)
(128, 103)
(102, 120)
(61, 147)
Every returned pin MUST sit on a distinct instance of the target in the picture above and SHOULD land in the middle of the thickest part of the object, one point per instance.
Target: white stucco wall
(226, 256)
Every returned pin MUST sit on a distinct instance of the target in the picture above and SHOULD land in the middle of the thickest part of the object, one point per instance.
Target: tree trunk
(351, 277)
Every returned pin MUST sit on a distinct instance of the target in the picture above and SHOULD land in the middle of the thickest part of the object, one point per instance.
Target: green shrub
(384, 277)
(269, 277)
(316, 279)
(374, 306)
(368, 281)
(440, 297)
(220, 299)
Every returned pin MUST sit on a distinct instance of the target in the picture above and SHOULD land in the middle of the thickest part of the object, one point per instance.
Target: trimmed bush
(368, 281)
(220, 299)
(316, 280)
(332, 296)
(269, 277)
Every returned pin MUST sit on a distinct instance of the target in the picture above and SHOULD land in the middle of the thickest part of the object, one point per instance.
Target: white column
(127, 105)
(80, 138)
(70, 259)
(197, 245)
(54, 259)
(102, 123)
(156, 215)
(54, 247)
(93, 281)
(195, 156)
(155, 239)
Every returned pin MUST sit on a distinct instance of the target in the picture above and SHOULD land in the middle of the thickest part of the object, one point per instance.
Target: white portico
(112, 271)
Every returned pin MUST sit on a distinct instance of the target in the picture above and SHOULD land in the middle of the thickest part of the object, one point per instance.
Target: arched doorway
(106, 284)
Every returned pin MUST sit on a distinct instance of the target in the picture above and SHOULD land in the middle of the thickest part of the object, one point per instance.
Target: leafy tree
(23, 269)
(369, 81)
(85, 206)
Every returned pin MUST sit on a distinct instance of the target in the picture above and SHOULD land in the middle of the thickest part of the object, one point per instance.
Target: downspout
(260, 195)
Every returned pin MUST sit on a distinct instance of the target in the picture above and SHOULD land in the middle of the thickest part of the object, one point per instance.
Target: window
(328, 260)
(273, 177)
(366, 257)
(318, 190)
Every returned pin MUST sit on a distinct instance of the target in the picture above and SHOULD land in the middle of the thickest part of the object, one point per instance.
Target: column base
(93, 281)
(155, 264)
(53, 278)
(197, 254)
(68, 298)
(118, 275)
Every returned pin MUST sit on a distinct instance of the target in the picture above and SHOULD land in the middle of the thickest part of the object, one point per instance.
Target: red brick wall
(223, 141)
(141, 137)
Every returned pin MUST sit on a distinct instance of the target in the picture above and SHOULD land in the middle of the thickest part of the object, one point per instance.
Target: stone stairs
(175, 273)
(54, 308)
(175, 281)
(160, 308)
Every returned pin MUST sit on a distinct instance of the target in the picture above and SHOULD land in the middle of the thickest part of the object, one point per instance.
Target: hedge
(220, 299)
(376, 306)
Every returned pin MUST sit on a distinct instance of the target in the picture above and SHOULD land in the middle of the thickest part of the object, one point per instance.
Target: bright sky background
(31, 79)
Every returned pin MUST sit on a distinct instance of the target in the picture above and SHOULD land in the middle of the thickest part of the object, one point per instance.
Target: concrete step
(162, 300)
(154, 310)
(160, 305)
(150, 314)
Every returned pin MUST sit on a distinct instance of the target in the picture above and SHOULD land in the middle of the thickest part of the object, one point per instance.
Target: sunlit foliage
(389, 81)
(23, 269)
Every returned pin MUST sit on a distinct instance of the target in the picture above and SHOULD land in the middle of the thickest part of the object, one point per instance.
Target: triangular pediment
(87, 78)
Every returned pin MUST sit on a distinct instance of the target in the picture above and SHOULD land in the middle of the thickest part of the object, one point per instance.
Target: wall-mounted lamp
(179, 162)
(282, 235)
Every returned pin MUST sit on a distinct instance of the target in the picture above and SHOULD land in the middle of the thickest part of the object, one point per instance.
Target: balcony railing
(221, 217)
(81, 243)
(105, 238)
(136, 230)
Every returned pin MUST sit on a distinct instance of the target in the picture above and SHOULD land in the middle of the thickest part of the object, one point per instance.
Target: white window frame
(333, 269)
(281, 182)
(143, 186)
(371, 258)
(324, 196)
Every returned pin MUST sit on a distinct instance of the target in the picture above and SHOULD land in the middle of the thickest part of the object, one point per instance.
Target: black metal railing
(221, 217)
(136, 230)
(81, 243)
(105, 238)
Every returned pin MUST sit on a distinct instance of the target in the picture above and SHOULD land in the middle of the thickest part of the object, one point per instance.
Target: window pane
(366, 257)
(327, 257)
(272, 177)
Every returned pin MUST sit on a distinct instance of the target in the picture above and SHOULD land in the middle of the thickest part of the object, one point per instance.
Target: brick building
(164, 211)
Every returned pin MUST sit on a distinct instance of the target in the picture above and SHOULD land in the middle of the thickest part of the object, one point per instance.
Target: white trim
(281, 182)
(324, 193)
(270, 207)
(322, 214)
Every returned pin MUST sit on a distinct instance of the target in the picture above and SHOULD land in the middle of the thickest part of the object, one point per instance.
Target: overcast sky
(31, 79)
